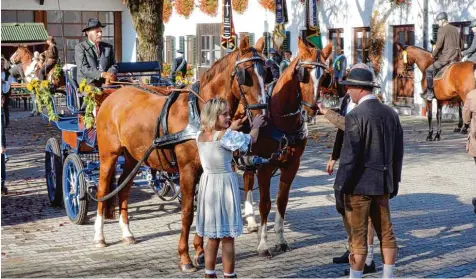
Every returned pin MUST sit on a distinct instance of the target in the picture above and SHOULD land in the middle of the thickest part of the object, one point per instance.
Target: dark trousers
(432, 70)
(45, 70)
(6, 111)
(4, 173)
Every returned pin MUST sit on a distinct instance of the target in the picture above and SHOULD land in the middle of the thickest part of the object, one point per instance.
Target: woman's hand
(330, 166)
(322, 108)
(238, 123)
(258, 121)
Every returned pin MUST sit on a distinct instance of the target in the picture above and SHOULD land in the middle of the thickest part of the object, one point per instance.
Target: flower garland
(377, 41)
(167, 11)
(269, 5)
(401, 2)
(184, 7)
(43, 97)
(166, 68)
(239, 6)
(90, 93)
(209, 7)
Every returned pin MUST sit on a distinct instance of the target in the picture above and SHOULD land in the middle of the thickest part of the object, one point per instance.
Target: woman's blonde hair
(210, 112)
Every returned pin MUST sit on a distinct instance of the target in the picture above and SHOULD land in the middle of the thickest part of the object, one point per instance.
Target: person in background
(272, 63)
(51, 58)
(285, 63)
(470, 53)
(7, 80)
(340, 66)
(219, 204)
(178, 66)
(3, 150)
(469, 117)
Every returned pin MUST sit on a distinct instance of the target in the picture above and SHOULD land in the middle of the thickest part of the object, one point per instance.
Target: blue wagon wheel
(75, 189)
(54, 171)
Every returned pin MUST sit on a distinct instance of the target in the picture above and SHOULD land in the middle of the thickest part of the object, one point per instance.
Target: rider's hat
(441, 16)
(360, 77)
(180, 51)
(93, 23)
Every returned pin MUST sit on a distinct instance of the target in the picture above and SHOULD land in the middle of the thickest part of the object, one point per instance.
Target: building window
(66, 27)
(9, 16)
(210, 49)
(361, 45)
(336, 37)
(191, 47)
(169, 49)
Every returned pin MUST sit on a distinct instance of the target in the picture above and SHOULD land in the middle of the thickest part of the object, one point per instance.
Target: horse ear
(326, 52)
(259, 46)
(245, 44)
(302, 49)
(399, 47)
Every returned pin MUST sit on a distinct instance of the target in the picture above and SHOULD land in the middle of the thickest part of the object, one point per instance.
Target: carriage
(72, 164)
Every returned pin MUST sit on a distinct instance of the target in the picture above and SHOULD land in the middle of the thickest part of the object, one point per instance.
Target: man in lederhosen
(178, 66)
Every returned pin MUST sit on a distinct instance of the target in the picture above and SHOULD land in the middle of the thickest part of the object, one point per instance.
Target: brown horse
(294, 96)
(126, 124)
(455, 83)
(24, 56)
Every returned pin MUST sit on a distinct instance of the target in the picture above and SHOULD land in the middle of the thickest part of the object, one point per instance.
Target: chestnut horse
(24, 56)
(126, 124)
(455, 83)
(294, 96)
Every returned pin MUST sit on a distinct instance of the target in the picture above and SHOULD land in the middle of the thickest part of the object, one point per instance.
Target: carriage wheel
(54, 171)
(74, 189)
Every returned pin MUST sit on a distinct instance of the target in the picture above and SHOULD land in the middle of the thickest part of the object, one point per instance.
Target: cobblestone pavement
(433, 217)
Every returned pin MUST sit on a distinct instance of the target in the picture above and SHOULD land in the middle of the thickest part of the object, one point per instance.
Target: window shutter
(252, 38)
(287, 42)
(173, 48)
(194, 50)
(182, 43)
(434, 32)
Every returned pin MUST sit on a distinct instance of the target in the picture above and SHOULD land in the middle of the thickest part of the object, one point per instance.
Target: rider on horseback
(446, 50)
(470, 53)
(51, 57)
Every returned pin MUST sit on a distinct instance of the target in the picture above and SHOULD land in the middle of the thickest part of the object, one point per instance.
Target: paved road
(432, 215)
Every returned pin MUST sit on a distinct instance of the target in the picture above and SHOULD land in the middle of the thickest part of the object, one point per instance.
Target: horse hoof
(99, 243)
(187, 268)
(199, 261)
(283, 247)
(129, 240)
(457, 130)
(265, 253)
(252, 229)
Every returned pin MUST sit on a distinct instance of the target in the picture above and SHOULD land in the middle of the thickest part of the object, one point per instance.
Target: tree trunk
(147, 18)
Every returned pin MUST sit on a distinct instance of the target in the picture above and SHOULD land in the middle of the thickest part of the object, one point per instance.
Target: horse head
(404, 60)
(311, 70)
(20, 53)
(240, 78)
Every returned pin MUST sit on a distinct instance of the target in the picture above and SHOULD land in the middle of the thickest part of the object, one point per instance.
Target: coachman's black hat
(360, 77)
(93, 23)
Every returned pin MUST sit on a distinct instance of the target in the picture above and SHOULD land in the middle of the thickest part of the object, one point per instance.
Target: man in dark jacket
(470, 53)
(273, 63)
(369, 171)
(446, 50)
(95, 58)
(178, 66)
(51, 58)
(4, 150)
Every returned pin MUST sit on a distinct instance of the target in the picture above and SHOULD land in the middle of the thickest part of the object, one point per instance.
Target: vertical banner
(228, 36)
(314, 39)
(279, 32)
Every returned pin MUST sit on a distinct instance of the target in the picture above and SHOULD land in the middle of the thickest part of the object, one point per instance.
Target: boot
(428, 94)
(342, 259)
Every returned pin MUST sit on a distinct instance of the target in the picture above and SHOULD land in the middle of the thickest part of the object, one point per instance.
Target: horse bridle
(314, 65)
(240, 74)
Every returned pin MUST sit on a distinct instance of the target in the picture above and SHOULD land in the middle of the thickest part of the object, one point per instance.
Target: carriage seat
(74, 101)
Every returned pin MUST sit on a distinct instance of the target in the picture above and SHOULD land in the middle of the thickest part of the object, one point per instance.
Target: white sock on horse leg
(99, 228)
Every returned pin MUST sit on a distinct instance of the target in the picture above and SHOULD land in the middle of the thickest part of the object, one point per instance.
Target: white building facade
(345, 22)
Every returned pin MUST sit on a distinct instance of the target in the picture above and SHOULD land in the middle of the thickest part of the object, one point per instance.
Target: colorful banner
(314, 39)
(279, 32)
(228, 37)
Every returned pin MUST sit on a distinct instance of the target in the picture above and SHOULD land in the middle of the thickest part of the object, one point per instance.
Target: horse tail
(110, 207)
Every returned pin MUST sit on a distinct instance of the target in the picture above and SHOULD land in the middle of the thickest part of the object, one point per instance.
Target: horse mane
(287, 75)
(417, 47)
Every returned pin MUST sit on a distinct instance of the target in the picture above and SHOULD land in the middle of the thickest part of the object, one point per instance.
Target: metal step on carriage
(72, 164)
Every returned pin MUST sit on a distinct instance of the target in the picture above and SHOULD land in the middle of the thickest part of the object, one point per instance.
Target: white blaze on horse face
(315, 84)
(99, 228)
(126, 232)
(262, 99)
(279, 228)
(249, 212)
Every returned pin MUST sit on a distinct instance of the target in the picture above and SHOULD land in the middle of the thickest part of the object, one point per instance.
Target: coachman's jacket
(372, 153)
(448, 44)
(90, 64)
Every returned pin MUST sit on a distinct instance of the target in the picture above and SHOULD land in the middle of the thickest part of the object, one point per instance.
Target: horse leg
(460, 118)
(264, 181)
(249, 180)
(127, 236)
(188, 177)
(439, 114)
(107, 174)
(429, 111)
